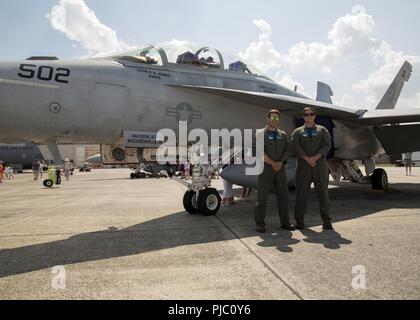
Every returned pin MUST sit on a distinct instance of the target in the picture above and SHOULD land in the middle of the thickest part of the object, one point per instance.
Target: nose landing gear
(208, 202)
(201, 197)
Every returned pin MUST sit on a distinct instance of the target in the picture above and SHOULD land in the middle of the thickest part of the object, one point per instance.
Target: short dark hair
(311, 108)
(271, 112)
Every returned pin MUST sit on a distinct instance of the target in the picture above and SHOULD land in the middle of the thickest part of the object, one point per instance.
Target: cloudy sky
(355, 46)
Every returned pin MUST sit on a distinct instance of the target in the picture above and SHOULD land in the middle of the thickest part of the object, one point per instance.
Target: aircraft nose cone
(1, 75)
(9, 94)
(7, 73)
(96, 159)
(1, 85)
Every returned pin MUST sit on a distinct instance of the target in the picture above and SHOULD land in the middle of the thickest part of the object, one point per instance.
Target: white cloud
(373, 88)
(79, 23)
(176, 47)
(262, 54)
(288, 82)
(350, 37)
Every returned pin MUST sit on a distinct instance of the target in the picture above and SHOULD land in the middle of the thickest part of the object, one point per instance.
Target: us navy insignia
(184, 112)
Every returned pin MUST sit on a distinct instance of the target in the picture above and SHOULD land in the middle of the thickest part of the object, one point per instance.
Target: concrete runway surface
(117, 238)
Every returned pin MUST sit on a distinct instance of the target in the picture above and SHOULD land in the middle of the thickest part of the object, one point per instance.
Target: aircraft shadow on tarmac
(181, 229)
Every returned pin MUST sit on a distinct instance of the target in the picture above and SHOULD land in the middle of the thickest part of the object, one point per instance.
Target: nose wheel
(208, 202)
(190, 202)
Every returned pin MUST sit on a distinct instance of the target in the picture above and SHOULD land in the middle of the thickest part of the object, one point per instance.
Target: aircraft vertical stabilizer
(389, 100)
(324, 93)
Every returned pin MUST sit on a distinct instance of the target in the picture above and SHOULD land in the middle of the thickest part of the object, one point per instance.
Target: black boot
(300, 226)
(288, 227)
(327, 226)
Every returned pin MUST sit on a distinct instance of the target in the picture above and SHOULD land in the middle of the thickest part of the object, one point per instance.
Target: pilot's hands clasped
(312, 161)
(277, 166)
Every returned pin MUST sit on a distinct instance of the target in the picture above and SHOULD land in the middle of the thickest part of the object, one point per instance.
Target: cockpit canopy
(185, 53)
(149, 55)
(204, 57)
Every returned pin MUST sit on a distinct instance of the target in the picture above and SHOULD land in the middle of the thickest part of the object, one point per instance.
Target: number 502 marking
(44, 73)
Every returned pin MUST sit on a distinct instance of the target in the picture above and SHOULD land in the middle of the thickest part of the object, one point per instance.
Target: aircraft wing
(380, 117)
(295, 106)
(286, 104)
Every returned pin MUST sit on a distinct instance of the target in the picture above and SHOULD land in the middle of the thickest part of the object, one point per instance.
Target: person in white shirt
(9, 173)
(67, 168)
(408, 163)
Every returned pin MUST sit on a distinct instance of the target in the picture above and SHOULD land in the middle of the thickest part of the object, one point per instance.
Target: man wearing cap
(276, 151)
(311, 144)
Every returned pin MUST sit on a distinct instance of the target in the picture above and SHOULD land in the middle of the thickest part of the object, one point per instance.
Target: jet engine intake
(118, 155)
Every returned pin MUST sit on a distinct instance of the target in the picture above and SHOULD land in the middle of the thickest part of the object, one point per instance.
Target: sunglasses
(275, 118)
(306, 115)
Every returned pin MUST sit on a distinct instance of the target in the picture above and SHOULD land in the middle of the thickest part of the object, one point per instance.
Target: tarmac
(104, 236)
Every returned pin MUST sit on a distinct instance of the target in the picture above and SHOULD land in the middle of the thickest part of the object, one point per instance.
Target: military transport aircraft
(121, 101)
(20, 154)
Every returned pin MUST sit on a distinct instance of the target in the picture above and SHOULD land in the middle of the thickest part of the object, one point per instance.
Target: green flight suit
(277, 150)
(307, 142)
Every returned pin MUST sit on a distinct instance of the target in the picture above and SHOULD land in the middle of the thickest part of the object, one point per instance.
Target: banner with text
(140, 139)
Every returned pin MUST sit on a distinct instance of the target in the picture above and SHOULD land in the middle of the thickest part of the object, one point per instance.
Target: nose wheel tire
(379, 180)
(209, 202)
(190, 202)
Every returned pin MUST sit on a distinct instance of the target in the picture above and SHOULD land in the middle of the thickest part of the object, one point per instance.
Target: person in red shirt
(1, 171)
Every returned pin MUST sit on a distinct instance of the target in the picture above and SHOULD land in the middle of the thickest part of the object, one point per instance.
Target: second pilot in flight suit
(311, 144)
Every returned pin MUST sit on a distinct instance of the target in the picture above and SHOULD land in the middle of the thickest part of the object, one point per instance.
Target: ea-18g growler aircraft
(122, 101)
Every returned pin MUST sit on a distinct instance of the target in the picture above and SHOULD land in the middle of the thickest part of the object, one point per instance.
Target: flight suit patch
(274, 137)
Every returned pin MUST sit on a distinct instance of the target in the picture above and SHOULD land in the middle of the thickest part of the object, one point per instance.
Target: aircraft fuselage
(93, 101)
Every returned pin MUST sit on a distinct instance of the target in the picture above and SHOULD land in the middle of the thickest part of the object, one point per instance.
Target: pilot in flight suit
(311, 144)
(276, 151)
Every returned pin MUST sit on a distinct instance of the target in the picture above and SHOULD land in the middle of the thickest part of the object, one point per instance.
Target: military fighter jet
(122, 101)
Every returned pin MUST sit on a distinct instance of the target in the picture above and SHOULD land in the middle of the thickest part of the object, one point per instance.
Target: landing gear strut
(349, 169)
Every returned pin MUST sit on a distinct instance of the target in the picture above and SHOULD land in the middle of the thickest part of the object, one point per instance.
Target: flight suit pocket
(270, 147)
(306, 140)
(317, 141)
(275, 149)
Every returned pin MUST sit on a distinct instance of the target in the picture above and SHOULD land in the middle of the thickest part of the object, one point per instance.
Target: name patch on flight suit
(310, 133)
(273, 135)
